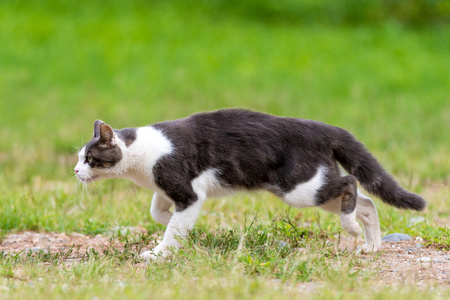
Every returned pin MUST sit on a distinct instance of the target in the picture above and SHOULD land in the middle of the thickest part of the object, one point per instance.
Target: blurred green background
(380, 69)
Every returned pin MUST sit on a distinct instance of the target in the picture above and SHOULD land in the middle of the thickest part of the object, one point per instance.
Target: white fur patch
(349, 223)
(207, 185)
(160, 209)
(82, 170)
(140, 158)
(304, 193)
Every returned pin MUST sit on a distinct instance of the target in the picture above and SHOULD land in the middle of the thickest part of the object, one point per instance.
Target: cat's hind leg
(160, 209)
(366, 212)
(339, 195)
(327, 186)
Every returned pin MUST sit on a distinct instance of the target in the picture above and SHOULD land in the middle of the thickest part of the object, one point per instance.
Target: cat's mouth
(87, 180)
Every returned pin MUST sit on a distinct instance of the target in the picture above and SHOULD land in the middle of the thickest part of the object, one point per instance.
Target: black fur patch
(128, 135)
(103, 156)
(339, 187)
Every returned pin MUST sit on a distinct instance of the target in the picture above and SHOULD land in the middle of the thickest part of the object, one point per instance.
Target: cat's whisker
(71, 174)
(82, 190)
(96, 185)
(85, 189)
(79, 185)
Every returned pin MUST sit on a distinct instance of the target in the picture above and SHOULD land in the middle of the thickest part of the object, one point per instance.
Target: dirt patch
(407, 262)
(80, 244)
(34, 241)
(411, 261)
(398, 263)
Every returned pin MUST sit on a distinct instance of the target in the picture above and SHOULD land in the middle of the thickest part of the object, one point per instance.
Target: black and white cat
(217, 153)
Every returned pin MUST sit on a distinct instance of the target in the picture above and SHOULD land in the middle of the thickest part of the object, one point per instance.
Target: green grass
(65, 64)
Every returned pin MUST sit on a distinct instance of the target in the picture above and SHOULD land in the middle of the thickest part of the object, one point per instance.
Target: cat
(217, 153)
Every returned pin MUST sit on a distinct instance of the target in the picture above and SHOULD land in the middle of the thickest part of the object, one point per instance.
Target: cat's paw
(157, 254)
(148, 256)
(366, 248)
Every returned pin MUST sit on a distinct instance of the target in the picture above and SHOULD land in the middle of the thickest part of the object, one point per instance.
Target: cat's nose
(76, 171)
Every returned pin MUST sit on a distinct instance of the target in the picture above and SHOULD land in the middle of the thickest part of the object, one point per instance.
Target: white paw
(366, 248)
(148, 256)
(159, 253)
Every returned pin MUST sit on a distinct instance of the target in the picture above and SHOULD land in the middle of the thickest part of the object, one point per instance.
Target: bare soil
(411, 261)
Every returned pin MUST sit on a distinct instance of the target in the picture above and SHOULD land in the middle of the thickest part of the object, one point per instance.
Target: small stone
(282, 244)
(438, 261)
(396, 237)
(423, 259)
(418, 245)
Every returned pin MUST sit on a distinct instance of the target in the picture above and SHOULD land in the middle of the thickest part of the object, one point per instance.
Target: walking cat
(217, 153)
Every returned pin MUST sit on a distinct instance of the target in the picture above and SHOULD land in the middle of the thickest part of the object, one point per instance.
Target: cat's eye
(88, 159)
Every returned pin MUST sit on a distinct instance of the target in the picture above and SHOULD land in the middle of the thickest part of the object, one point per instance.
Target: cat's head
(100, 157)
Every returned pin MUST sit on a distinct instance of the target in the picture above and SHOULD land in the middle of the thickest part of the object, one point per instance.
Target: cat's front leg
(160, 209)
(182, 221)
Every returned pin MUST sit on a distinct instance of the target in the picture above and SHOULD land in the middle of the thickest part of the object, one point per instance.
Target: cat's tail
(357, 160)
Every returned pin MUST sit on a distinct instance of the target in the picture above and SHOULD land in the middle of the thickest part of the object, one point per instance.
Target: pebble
(396, 237)
(423, 259)
(282, 244)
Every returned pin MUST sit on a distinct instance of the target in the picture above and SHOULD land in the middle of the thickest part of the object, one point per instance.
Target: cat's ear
(97, 127)
(107, 135)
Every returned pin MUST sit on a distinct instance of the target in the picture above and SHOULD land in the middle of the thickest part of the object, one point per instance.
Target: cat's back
(241, 126)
